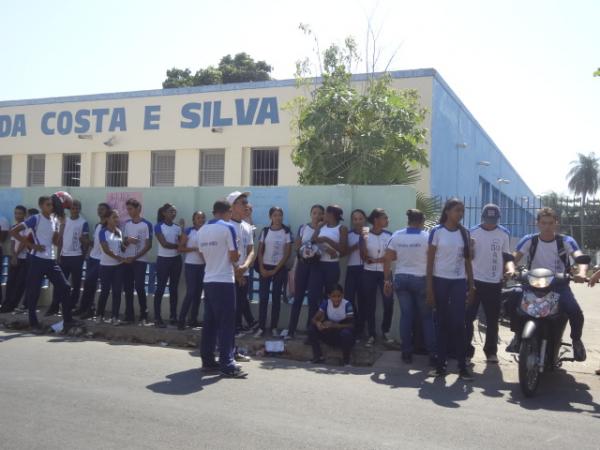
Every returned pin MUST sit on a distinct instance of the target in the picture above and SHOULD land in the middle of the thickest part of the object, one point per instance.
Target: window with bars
(71, 169)
(212, 167)
(265, 166)
(117, 166)
(36, 170)
(5, 170)
(163, 168)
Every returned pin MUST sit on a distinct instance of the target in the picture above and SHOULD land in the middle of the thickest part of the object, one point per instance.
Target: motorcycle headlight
(540, 282)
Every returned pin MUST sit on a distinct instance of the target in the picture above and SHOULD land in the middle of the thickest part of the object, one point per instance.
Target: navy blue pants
(134, 277)
(194, 283)
(15, 284)
(489, 296)
(38, 268)
(372, 281)
(168, 269)
(242, 306)
(276, 281)
(450, 312)
(342, 338)
(325, 275)
(92, 269)
(219, 323)
(410, 290)
(301, 277)
(111, 280)
(353, 292)
(569, 305)
(72, 267)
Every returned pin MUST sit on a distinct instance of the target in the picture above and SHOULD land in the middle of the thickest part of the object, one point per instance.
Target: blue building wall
(466, 163)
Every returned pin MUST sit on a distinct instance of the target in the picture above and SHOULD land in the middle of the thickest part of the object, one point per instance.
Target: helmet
(61, 200)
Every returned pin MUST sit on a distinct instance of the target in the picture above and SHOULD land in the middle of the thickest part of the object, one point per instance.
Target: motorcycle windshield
(540, 307)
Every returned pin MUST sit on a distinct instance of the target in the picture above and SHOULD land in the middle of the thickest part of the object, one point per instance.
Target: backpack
(560, 246)
(289, 264)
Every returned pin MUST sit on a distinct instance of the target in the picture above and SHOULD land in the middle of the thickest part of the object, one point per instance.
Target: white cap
(231, 198)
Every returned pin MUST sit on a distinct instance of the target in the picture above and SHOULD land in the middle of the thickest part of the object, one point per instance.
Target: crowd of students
(440, 277)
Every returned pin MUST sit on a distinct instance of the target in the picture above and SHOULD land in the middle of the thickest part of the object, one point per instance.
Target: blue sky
(523, 68)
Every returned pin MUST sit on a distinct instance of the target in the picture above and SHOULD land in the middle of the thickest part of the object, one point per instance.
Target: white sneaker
(387, 338)
(275, 332)
(284, 333)
(370, 342)
(259, 333)
(114, 321)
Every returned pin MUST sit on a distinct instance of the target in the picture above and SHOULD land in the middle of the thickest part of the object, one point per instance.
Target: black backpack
(263, 234)
(560, 246)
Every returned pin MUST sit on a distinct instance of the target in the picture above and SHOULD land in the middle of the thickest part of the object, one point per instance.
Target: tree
(597, 73)
(238, 69)
(583, 180)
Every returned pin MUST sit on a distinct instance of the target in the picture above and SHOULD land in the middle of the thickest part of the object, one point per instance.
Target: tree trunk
(582, 220)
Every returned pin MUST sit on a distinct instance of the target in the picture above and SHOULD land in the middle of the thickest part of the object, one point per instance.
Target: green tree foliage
(597, 73)
(369, 134)
(237, 69)
(583, 181)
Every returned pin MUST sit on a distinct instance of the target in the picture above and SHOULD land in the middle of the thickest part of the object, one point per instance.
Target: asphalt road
(71, 394)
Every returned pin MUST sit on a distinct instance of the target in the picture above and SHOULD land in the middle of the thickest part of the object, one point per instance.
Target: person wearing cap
(491, 260)
(245, 237)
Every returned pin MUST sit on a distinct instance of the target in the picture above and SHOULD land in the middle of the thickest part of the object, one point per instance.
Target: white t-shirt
(4, 224)
(333, 314)
(142, 231)
(96, 251)
(546, 254)
(193, 257)
(215, 240)
(274, 245)
(489, 247)
(74, 229)
(42, 230)
(354, 257)
(115, 242)
(449, 255)
(23, 253)
(332, 233)
(410, 245)
(376, 245)
(245, 237)
(305, 233)
(171, 234)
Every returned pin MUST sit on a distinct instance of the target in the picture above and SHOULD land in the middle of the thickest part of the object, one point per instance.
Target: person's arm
(362, 245)
(57, 237)
(287, 251)
(430, 262)
(318, 318)
(106, 249)
(575, 251)
(234, 254)
(160, 237)
(16, 233)
(470, 280)
(388, 258)
(183, 248)
(260, 255)
(84, 239)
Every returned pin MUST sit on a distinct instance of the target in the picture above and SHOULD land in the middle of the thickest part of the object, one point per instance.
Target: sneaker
(259, 334)
(515, 345)
(160, 324)
(212, 367)
(241, 358)
(275, 333)
(370, 342)
(102, 319)
(115, 322)
(234, 373)
(492, 359)
(406, 358)
(465, 375)
(144, 323)
(438, 372)
(347, 365)
(579, 353)
(284, 333)
(387, 339)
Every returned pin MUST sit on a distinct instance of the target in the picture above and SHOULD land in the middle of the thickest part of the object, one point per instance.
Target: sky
(523, 68)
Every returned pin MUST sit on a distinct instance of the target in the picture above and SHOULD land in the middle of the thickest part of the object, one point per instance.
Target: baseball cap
(231, 198)
(490, 214)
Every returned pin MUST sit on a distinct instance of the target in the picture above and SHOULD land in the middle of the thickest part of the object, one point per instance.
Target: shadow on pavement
(184, 383)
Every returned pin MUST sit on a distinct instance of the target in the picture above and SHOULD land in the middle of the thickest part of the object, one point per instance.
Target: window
(265, 166)
(5, 170)
(71, 171)
(212, 167)
(36, 170)
(117, 165)
(163, 168)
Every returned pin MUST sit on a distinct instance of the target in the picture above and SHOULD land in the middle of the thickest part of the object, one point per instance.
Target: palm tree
(583, 180)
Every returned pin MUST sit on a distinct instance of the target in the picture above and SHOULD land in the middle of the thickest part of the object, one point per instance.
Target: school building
(225, 135)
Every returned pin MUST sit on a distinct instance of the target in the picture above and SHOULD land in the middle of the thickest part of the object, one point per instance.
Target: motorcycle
(544, 325)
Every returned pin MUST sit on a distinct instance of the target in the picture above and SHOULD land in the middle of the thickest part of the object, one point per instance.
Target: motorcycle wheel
(529, 373)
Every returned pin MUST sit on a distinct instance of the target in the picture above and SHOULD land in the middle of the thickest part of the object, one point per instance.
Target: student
(44, 230)
(332, 239)
(72, 246)
(92, 265)
(333, 324)
(372, 248)
(194, 271)
(4, 229)
(29, 238)
(245, 236)
(217, 242)
(138, 242)
(274, 249)
(168, 262)
(251, 275)
(308, 257)
(450, 285)
(17, 268)
(408, 248)
(491, 253)
(354, 269)
(111, 267)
